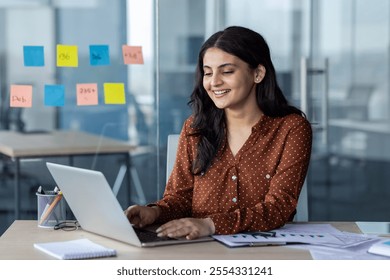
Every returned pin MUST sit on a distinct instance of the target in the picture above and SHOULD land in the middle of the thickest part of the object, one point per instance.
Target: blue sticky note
(54, 95)
(33, 56)
(99, 55)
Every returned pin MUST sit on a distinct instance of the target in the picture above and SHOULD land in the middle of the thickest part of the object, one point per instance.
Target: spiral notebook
(75, 249)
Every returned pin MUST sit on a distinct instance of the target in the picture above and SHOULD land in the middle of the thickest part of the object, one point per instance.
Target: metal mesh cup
(51, 209)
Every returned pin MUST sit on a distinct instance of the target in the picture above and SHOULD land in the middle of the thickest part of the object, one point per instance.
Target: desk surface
(17, 243)
(382, 127)
(56, 143)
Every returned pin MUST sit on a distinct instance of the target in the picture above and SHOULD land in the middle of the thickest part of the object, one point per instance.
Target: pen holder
(51, 209)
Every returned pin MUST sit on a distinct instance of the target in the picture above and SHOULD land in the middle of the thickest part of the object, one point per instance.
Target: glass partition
(351, 183)
(344, 47)
(92, 90)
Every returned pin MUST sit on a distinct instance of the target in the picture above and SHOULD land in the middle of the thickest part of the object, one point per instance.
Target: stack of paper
(322, 240)
(314, 234)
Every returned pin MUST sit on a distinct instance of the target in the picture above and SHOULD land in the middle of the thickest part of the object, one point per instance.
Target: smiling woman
(243, 154)
(229, 81)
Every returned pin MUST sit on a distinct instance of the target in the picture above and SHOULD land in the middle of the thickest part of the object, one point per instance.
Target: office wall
(37, 29)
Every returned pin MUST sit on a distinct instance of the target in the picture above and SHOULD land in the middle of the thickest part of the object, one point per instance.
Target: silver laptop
(97, 210)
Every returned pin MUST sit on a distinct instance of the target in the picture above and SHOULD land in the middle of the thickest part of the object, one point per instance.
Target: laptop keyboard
(148, 236)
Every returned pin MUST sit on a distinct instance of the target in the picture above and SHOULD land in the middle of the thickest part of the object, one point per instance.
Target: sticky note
(114, 93)
(33, 56)
(99, 55)
(20, 96)
(54, 95)
(67, 56)
(87, 94)
(132, 54)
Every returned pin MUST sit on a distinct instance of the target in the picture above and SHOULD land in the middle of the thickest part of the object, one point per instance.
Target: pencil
(49, 210)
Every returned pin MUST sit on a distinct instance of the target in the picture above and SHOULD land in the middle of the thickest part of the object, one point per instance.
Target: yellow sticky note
(114, 93)
(67, 56)
(20, 96)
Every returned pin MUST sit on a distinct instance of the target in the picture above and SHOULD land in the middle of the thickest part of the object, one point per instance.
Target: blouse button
(234, 199)
(267, 176)
(234, 177)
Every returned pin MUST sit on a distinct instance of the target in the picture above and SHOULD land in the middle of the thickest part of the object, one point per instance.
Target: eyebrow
(221, 66)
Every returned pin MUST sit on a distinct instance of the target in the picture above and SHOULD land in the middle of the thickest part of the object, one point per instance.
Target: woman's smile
(220, 93)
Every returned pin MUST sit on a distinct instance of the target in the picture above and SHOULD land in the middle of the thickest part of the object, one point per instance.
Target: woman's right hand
(141, 216)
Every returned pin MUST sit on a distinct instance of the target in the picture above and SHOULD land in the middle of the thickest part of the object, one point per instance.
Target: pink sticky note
(132, 54)
(21, 96)
(87, 94)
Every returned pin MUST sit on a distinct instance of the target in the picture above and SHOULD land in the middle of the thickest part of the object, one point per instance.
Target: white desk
(373, 145)
(18, 146)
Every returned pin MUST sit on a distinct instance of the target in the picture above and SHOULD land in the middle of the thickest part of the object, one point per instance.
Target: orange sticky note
(114, 93)
(21, 96)
(67, 56)
(87, 94)
(132, 54)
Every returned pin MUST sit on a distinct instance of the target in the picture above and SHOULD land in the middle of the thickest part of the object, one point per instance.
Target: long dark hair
(209, 121)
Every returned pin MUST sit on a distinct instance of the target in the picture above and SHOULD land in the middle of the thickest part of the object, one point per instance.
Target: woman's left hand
(191, 228)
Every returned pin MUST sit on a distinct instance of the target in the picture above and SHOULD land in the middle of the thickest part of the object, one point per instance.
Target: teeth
(218, 92)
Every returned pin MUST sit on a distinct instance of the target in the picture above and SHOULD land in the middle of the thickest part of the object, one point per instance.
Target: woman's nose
(216, 80)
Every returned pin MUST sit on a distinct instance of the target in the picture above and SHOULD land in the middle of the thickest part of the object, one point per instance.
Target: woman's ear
(259, 73)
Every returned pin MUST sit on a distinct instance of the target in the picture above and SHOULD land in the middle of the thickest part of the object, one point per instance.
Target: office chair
(302, 214)
(356, 106)
(173, 142)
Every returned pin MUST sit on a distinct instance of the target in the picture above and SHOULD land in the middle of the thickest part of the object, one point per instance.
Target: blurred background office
(331, 56)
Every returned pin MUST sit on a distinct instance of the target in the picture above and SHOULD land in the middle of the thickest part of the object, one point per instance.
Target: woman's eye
(207, 74)
(228, 72)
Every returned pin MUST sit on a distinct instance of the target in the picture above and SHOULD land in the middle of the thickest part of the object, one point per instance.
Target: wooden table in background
(18, 146)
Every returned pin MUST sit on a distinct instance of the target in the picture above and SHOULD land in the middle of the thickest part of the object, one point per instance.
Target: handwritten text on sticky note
(114, 93)
(99, 55)
(67, 56)
(87, 94)
(132, 54)
(21, 96)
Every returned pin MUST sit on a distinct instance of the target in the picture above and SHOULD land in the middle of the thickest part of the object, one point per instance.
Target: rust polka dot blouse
(255, 190)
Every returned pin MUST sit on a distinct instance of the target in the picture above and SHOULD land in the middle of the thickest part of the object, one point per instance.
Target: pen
(264, 234)
(40, 190)
(56, 191)
(254, 244)
(49, 210)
